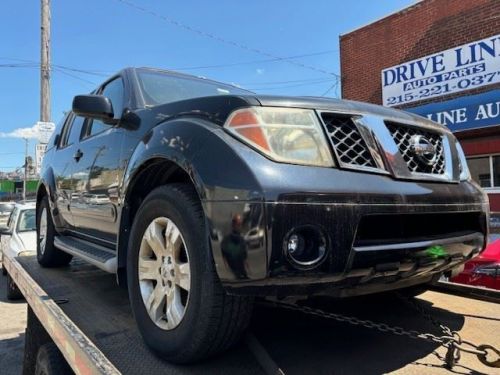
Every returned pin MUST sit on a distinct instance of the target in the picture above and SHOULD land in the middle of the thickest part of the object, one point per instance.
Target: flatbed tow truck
(87, 316)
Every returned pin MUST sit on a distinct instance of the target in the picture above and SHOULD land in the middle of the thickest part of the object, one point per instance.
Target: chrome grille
(350, 147)
(403, 134)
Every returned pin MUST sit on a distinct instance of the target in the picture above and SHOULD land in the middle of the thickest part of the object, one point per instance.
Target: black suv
(201, 196)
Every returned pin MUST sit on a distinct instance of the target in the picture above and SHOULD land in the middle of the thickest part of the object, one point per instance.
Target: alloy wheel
(164, 273)
(42, 232)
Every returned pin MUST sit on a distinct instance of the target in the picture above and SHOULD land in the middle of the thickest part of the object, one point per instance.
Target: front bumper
(374, 243)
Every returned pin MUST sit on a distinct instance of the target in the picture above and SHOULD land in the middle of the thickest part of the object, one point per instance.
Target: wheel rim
(42, 232)
(164, 273)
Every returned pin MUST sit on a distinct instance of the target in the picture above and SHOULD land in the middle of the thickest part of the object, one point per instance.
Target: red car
(483, 270)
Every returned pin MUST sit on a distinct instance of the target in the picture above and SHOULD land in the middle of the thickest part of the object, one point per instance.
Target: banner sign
(457, 69)
(464, 113)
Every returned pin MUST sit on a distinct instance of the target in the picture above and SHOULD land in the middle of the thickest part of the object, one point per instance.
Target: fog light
(305, 247)
(295, 244)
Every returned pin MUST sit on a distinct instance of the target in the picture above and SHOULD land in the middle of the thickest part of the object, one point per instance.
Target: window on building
(485, 170)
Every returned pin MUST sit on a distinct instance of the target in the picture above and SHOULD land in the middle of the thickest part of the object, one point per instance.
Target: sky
(273, 47)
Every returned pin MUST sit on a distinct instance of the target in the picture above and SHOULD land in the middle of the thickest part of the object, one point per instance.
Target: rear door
(63, 165)
(98, 172)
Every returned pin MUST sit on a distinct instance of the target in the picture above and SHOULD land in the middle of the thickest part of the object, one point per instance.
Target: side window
(65, 131)
(114, 91)
(59, 130)
(12, 218)
(72, 131)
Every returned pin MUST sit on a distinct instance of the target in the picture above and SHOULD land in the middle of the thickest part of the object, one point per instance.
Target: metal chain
(425, 313)
(451, 340)
(455, 346)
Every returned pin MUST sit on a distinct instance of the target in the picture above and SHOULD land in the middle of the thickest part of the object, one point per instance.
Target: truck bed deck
(278, 340)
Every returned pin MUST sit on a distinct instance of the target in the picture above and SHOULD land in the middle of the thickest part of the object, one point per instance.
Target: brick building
(440, 59)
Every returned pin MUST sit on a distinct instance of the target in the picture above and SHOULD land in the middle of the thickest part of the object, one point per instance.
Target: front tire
(46, 253)
(181, 309)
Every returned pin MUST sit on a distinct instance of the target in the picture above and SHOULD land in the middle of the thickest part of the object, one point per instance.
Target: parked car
(19, 235)
(210, 195)
(483, 270)
(5, 210)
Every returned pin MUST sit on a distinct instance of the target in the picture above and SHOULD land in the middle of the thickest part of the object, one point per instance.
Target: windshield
(6, 207)
(162, 88)
(26, 221)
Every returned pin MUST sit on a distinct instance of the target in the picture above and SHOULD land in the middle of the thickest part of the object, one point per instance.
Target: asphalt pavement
(12, 325)
(295, 343)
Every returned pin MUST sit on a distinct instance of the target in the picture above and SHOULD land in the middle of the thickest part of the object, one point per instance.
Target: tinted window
(160, 88)
(65, 131)
(76, 130)
(113, 91)
(59, 130)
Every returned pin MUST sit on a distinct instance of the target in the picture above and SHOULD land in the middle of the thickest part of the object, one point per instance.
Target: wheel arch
(192, 151)
(152, 173)
(46, 187)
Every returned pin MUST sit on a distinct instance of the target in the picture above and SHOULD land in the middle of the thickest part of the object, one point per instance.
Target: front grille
(382, 229)
(349, 145)
(402, 136)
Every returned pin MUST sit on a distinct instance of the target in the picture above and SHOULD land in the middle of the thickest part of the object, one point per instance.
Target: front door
(97, 174)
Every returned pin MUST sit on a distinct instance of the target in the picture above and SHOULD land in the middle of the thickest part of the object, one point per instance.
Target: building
(12, 189)
(39, 153)
(440, 59)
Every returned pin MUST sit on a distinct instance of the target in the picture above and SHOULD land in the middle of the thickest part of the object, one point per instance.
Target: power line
(24, 65)
(254, 61)
(290, 86)
(59, 70)
(312, 80)
(33, 63)
(90, 72)
(222, 40)
(330, 88)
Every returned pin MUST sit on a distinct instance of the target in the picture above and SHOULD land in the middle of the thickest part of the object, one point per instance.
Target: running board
(99, 256)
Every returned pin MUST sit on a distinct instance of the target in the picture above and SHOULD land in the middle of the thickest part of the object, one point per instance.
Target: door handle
(78, 154)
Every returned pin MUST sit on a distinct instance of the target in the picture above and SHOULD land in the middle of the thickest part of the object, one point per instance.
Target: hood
(218, 108)
(28, 240)
(348, 107)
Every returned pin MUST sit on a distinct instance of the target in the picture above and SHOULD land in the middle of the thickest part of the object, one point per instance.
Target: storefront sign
(457, 69)
(464, 113)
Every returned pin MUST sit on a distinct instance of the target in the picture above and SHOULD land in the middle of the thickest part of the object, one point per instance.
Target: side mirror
(94, 106)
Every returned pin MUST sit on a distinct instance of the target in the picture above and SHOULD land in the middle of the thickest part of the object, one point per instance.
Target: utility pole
(45, 63)
(25, 167)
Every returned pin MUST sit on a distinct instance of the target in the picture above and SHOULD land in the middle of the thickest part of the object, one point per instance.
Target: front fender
(222, 177)
(203, 150)
(47, 181)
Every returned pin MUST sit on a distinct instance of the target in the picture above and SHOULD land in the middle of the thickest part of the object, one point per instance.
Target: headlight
(287, 135)
(464, 169)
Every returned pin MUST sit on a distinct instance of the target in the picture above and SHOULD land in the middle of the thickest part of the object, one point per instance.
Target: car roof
(23, 205)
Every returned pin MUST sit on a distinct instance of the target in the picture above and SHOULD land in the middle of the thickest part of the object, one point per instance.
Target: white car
(20, 237)
(5, 211)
